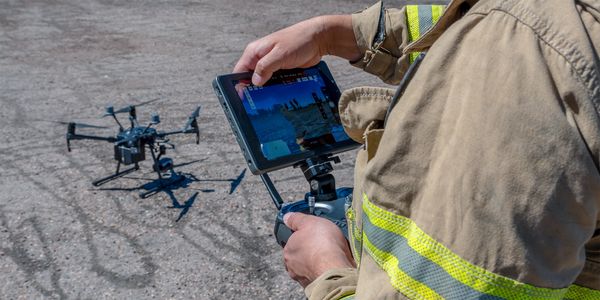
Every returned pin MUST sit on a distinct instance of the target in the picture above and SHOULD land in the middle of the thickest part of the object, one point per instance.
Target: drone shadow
(183, 208)
(157, 185)
(235, 182)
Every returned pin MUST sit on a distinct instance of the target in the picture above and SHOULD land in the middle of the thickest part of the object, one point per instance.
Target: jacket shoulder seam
(592, 85)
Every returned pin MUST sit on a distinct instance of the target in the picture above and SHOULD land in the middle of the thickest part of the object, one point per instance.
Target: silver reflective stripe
(425, 18)
(419, 267)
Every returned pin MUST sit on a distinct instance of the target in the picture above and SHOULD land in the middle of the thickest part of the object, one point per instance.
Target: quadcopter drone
(130, 145)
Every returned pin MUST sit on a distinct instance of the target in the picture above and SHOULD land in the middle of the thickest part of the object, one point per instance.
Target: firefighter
(479, 176)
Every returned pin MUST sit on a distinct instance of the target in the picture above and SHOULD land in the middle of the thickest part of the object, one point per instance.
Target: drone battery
(129, 155)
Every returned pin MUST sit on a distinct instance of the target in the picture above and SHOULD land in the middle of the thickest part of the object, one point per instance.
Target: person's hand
(316, 246)
(299, 46)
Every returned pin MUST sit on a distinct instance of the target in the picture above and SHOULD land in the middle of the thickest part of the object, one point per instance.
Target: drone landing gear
(117, 174)
(164, 168)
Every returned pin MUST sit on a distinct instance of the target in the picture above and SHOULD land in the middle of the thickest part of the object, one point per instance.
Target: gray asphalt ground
(60, 237)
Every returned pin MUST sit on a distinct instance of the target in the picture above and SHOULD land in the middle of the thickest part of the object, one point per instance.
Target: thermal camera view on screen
(293, 114)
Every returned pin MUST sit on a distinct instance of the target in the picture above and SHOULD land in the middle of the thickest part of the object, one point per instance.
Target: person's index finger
(266, 66)
(245, 64)
(253, 53)
(248, 60)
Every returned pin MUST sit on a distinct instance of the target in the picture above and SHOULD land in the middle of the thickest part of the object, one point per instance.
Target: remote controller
(334, 210)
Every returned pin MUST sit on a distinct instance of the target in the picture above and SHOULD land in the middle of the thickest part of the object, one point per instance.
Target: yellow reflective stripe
(412, 20)
(348, 297)
(355, 236)
(576, 292)
(443, 265)
(421, 18)
(436, 12)
(400, 280)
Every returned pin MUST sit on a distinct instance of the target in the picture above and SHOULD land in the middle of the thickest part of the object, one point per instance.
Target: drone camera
(163, 165)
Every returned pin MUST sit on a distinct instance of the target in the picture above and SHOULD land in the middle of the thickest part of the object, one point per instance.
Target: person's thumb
(266, 66)
(294, 221)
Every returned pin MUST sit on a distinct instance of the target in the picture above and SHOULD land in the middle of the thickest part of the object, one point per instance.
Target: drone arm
(166, 133)
(190, 127)
(74, 136)
(181, 131)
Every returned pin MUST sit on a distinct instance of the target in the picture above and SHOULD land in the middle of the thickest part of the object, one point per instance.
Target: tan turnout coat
(493, 150)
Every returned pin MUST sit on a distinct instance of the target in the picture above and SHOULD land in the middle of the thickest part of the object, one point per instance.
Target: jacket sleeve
(381, 35)
(333, 284)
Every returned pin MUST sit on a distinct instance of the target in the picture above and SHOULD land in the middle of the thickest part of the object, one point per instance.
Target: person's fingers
(248, 60)
(295, 221)
(269, 63)
(252, 54)
(245, 64)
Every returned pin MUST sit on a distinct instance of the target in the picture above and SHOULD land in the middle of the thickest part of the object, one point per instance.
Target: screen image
(294, 113)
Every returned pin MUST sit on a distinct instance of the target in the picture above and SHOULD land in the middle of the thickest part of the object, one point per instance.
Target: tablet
(293, 117)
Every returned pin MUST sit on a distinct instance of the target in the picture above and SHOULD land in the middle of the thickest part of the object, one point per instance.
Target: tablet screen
(294, 113)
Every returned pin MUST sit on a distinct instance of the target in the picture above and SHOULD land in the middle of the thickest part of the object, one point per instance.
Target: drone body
(130, 145)
(132, 151)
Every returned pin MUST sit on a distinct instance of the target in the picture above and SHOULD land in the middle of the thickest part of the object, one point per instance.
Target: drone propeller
(80, 125)
(125, 109)
(128, 108)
